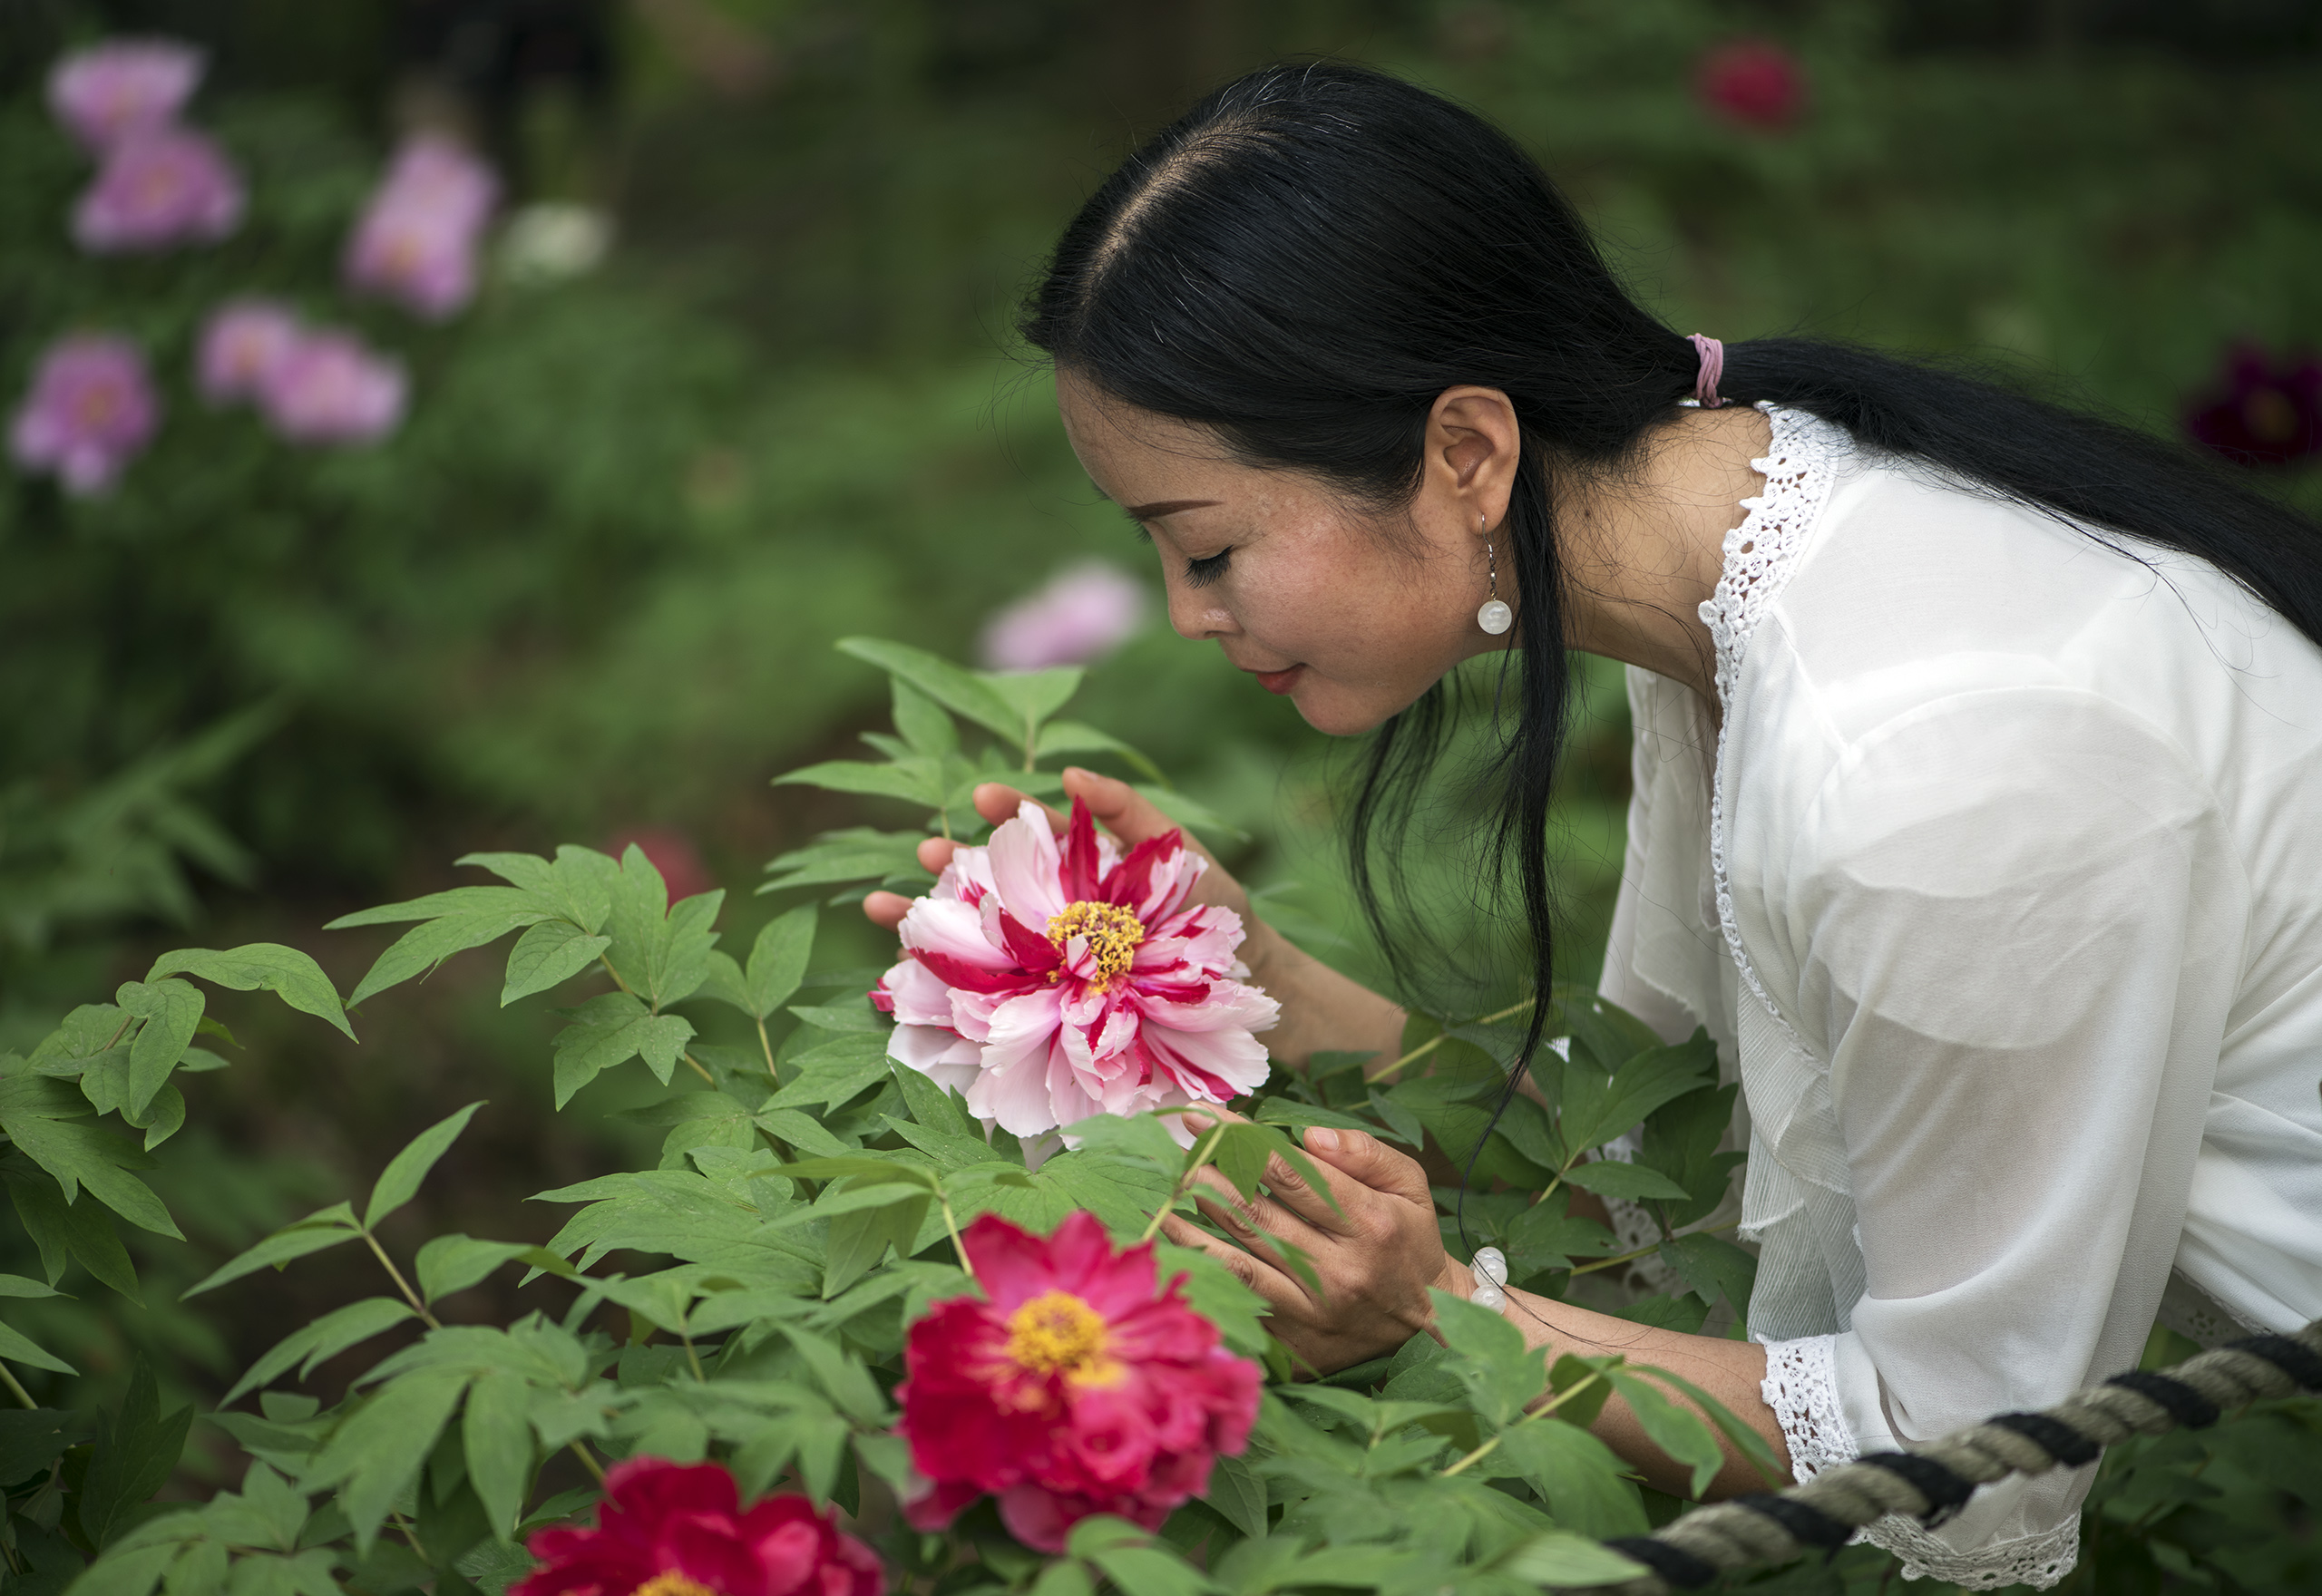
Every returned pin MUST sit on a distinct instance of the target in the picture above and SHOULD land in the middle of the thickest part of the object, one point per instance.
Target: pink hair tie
(1712, 354)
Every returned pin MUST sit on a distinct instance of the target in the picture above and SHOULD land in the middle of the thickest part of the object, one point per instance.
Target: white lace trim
(1802, 1385)
(1798, 469)
(2037, 1560)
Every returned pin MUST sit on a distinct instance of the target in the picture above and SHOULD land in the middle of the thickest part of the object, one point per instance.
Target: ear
(1472, 446)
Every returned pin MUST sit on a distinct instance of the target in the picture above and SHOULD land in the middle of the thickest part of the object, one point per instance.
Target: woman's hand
(1375, 1256)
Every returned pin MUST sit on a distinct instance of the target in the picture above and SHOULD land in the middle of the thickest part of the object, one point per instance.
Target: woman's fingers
(1261, 1276)
(886, 909)
(1118, 807)
(996, 802)
(1369, 1163)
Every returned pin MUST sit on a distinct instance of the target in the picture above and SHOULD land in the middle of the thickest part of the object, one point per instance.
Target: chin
(1337, 713)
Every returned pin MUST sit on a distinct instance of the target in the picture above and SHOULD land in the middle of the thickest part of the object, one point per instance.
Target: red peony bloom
(1076, 1390)
(2262, 411)
(1753, 83)
(671, 1529)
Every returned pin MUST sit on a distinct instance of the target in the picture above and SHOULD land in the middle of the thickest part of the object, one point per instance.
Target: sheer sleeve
(2016, 924)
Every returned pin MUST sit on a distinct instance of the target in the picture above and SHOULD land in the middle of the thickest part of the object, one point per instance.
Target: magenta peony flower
(416, 242)
(243, 344)
(675, 1529)
(91, 411)
(1082, 614)
(1049, 984)
(330, 389)
(1073, 1387)
(121, 87)
(2262, 411)
(159, 186)
(1753, 83)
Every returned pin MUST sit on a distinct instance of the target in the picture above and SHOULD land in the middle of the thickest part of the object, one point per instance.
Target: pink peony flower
(672, 1529)
(159, 186)
(330, 389)
(123, 86)
(1082, 614)
(1049, 985)
(243, 344)
(1074, 1389)
(91, 411)
(416, 242)
(2261, 411)
(1753, 83)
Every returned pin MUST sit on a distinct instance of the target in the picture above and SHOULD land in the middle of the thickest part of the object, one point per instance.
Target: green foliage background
(594, 581)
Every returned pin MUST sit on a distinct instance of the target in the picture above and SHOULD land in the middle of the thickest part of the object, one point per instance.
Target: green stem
(615, 974)
(1546, 1408)
(589, 1461)
(693, 1358)
(402, 1284)
(7, 1376)
(767, 1047)
(952, 1224)
(1430, 1046)
(1201, 1156)
(1640, 1252)
(698, 1069)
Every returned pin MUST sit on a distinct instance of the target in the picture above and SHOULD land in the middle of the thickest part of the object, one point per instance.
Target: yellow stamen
(1113, 932)
(1057, 1333)
(670, 1582)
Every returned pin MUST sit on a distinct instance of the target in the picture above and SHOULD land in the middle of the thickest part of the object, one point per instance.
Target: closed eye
(1200, 573)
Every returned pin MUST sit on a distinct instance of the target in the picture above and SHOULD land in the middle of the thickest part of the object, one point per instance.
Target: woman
(1978, 756)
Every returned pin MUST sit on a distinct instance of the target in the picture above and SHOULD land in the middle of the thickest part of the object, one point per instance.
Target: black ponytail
(1313, 253)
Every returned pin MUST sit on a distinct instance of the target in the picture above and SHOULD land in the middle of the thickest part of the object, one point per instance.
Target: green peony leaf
(961, 691)
(398, 1183)
(1611, 1177)
(547, 954)
(326, 1337)
(1566, 1560)
(170, 1010)
(325, 1228)
(290, 975)
(378, 1449)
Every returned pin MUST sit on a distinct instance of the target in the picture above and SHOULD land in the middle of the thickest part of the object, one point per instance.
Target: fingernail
(1322, 1138)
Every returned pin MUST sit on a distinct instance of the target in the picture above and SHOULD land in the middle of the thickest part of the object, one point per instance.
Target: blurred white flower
(552, 241)
(1084, 613)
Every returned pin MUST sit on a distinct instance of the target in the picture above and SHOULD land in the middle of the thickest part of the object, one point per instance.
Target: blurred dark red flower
(1075, 1388)
(670, 1529)
(2261, 411)
(672, 854)
(1753, 83)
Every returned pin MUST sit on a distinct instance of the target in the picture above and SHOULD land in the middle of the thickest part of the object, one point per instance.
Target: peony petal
(1025, 867)
(919, 995)
(937, 1052)
(955, 929)
(1081, 871)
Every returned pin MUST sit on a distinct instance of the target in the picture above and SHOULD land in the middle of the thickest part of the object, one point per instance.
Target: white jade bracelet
(1490, 1267)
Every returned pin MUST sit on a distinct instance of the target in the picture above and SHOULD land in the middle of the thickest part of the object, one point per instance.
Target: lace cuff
(2037, 1560)
(1802, 1385)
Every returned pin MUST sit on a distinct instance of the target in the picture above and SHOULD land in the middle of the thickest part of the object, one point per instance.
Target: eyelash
(1200, 573)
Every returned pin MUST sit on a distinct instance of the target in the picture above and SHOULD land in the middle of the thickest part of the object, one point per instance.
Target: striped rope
(1931, 1481)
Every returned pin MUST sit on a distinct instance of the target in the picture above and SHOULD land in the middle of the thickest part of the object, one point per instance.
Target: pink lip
(1278, 681)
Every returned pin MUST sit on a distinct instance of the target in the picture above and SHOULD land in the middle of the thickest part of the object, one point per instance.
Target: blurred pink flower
(1753, 83)
(671, 852)
(243, 344)
(1083, 614)
(2261, 411)
(123, 86)
(416, 242)
(328, 388)
(159, 186)
(91, 411)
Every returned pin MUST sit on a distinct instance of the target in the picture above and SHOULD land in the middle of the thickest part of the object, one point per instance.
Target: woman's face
(1350, 615)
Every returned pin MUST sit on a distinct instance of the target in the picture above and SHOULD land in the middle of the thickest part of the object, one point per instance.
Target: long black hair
(1311, 254)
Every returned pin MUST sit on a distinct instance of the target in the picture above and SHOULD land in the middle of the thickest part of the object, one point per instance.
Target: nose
(1197, 618)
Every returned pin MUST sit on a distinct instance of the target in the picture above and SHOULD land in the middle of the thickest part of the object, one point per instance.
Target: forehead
(1127, 449)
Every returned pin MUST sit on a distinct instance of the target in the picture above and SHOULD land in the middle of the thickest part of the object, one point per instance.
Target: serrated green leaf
(612, 1028)
(326, 1337)
(1713, 1266)
(326, 1228)
(452, 1263)
(497, 1432)
(546, 955)
(290, 975)
(84, 1158)
(778, 959)
(922, 723)
(960, 690)
(1611, 1177)
(914, 780)
(398, 1183)
(82, 1230)
(378, 1450)
(857, 853)
(1070, 736)
(424, 947)
(170, 1010)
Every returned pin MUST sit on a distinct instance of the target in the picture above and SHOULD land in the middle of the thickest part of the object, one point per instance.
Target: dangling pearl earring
(1494, 617)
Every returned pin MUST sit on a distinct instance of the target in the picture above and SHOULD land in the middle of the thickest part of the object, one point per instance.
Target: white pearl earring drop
(1494, 617)
(1490, 1267)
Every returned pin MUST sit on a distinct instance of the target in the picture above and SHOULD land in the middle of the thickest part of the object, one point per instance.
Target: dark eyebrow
(1167, 507)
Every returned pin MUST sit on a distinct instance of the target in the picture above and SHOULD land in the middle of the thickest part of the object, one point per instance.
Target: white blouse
(2000, 887)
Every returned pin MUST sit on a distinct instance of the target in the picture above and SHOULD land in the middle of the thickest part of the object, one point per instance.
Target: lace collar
(1799, 465)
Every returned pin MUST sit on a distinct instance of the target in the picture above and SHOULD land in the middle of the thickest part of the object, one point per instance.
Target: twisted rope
(1932, 1481)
